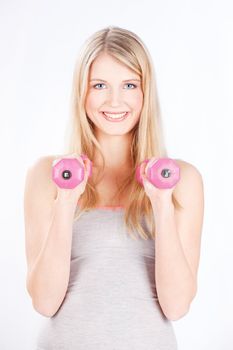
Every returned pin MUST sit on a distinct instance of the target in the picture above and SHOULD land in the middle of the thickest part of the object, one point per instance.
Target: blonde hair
(148, 139)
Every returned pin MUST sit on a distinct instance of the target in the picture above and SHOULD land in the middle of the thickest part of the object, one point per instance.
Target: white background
(191, 43)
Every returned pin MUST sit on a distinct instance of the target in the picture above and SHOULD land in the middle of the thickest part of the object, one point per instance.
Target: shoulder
(188, 168)
(43, 163)
(40, 172)
(190, 184)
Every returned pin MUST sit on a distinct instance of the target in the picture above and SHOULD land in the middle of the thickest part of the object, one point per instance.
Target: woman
(111, 262)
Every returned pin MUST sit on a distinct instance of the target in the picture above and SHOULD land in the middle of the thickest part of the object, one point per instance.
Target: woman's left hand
(155, 194)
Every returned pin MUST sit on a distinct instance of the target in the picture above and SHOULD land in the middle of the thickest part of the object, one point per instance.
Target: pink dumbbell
(163, 173)
(69, 172)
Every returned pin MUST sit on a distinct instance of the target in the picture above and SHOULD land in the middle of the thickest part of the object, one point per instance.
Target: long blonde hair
(147, 140)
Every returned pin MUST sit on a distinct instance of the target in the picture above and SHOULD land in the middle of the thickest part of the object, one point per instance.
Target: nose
(114, 97)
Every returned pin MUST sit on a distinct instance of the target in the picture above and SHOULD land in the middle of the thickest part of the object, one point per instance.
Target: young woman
(112, 262)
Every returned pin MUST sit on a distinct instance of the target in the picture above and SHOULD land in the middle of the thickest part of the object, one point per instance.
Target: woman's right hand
(72, 195)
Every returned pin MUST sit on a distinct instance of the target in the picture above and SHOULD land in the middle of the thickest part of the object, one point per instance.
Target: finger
(151, 162)
(142, 169)
(146, 182)
(144, 179)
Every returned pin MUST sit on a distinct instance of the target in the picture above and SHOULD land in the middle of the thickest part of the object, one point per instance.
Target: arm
(175, 283)
(177, 241)
(48, 280)
(48, 233)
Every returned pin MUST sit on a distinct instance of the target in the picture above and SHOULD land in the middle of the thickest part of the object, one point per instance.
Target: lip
(114, 112)
(115, 120)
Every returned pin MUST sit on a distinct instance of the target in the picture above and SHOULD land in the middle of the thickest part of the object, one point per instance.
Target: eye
(132, 85)
(97, 84)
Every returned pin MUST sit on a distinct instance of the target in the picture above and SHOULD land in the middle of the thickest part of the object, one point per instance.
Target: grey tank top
(111, 301)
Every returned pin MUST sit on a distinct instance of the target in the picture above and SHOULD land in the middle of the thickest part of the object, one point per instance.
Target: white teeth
(115, 116)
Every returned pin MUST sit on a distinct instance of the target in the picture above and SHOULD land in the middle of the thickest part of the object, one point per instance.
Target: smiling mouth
(115, 116)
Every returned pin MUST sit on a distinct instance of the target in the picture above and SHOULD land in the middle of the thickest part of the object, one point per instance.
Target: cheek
(94, 101)
(91, 103)
(138, 101)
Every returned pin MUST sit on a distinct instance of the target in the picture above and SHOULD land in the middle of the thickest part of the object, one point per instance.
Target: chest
(108, 191)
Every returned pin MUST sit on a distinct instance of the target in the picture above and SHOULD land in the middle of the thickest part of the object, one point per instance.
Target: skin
(178, 230)
(113, 95)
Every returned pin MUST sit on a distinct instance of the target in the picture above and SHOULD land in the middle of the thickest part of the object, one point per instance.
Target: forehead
(106, 67)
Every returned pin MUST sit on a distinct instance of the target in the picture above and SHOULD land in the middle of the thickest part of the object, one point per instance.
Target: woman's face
(115, 89)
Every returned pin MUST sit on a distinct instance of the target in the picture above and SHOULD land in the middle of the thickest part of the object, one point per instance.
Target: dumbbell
(163, 173)
(69, 172)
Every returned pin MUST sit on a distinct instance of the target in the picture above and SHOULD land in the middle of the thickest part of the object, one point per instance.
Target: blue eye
(104, 84)
(132, 85)
(98, 84)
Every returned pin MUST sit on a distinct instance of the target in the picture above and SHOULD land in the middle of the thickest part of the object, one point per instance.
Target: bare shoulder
(188, 171)
(190, 184)
(188, 168)
(41, 173)
(43, 161)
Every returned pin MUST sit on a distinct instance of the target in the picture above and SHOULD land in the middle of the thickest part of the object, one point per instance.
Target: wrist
(65, 203)
(163, 205)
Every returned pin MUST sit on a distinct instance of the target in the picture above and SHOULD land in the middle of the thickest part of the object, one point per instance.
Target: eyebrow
(122, 80)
